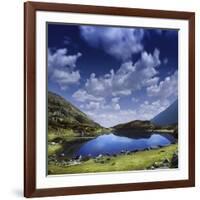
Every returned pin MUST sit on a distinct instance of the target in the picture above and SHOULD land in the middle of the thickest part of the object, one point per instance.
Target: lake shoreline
(57, 145)
(139, 160)
(171, 131)
(70, 156)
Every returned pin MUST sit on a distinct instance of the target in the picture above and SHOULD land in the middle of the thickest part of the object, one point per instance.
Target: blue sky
(113, 74)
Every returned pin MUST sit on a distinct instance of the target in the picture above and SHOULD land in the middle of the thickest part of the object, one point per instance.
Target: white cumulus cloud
(65, 78)
(101, 97)
(115, 99)
(121, 43)
(112, 114)
(112, 117)
(127, 79)
(147, 110)
(82, 96)
(93, 105)
(166, 88)
(61, 67)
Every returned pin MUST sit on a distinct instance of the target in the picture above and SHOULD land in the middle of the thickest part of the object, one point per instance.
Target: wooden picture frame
(30, 188)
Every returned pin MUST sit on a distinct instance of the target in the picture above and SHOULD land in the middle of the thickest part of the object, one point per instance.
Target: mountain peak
(168, 116)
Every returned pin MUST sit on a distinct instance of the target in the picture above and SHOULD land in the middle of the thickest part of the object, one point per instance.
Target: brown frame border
(30, 9)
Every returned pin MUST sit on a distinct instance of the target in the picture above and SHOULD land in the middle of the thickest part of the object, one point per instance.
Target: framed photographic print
(109, 99)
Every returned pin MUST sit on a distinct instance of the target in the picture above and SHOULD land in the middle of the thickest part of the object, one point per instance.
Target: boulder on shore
(174, 161)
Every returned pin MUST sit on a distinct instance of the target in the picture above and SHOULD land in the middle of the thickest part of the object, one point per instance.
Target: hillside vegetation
(69, 128)
(142, 160)
(66, 119)
(144, 126)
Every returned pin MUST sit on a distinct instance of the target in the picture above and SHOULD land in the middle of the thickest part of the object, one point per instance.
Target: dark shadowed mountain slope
(168, 116)
(135, 125)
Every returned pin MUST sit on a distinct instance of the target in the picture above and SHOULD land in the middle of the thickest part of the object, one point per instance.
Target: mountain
(62, 115)
(168, 116)
(136, 125)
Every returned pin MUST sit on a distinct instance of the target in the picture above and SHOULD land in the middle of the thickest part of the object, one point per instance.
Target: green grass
(66, 136)
(135, 161)
(52, 149)
(62, 133)
(69, 134)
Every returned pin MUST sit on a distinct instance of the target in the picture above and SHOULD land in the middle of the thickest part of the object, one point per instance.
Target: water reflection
(115, 144)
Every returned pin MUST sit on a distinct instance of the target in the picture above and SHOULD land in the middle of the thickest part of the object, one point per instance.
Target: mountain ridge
(167, 117)
(136, 124)
(64, 115)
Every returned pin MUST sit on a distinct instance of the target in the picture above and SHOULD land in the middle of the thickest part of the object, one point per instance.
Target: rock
(77, 157)
(174, 161)
(152, 167)
(85, 158)
(123, 151)
(114, 155)
(73, 162)
(156, 164)
(99, 156)
(128, 153)
(154, 147)
(62, 154)
(80, 158)
(166, 161)
(53, 143)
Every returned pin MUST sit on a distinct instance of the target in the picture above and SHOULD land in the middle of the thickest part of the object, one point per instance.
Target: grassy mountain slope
(136, 125)
(163, 122)
(64, 117)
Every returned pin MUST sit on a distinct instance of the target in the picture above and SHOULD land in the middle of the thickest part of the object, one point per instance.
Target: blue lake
(115, 144)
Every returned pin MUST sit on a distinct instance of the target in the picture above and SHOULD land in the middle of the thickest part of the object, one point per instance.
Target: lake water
(114, 144)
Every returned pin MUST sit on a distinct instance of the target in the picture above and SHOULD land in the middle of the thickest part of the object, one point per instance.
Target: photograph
(109, 99)
(112, 98)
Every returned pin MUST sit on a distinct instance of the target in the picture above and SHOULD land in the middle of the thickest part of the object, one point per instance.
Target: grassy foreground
(135, 161)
